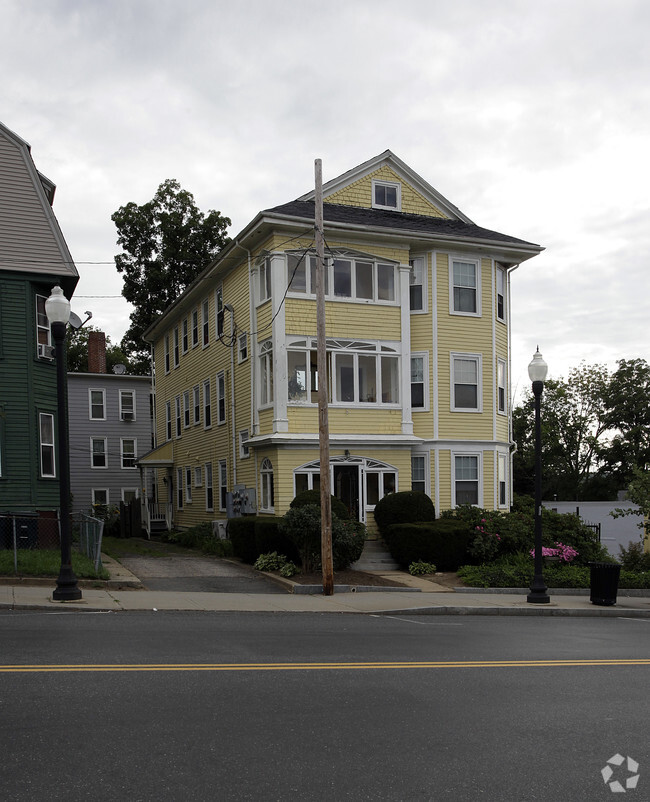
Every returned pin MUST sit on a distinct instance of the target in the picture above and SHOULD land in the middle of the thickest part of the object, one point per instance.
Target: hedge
(408, 506)
(444, 542)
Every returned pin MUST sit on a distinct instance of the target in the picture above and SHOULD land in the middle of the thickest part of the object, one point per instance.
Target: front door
(346, 488)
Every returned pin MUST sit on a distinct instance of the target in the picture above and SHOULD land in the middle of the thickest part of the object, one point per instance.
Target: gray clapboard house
(33, 258)
(110, 427)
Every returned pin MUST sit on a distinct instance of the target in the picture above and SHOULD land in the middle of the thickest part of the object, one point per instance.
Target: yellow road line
(17, 669)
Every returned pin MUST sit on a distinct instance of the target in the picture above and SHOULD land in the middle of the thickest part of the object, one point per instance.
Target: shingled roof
(378, 218)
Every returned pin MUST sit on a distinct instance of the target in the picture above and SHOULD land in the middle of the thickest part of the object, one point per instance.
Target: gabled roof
(389, 159)
(31, 241)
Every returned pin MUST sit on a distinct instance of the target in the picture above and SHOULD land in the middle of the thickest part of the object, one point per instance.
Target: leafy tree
(166, 243)
(77, 344)
(574, 425)
(627, 400)
(638, 492)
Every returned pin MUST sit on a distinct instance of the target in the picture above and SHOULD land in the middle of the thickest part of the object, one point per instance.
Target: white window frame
(308, 277)
(477, 289)
(186, 409)
(168, 421)
(198, 476)
(205, 323)
(125, 394)
(424, 480)
(223, 484)
(196, 399)
(267, 486)
(46, 445)
(185, 339)
(126, 456)
(396, 185)
(502, 279)
(424, 356)
(502, 480)
(265, 366)
(244, 450)
(178, 415)
(92, 390)
(180, 491)
(42, 325)
(242, 348)
(177, 356)
(422, 260)
(134, 490)
(502, 387)
(104, 441)
(478, 359)
(219, 313)
(207, 404)
(93, 496)
(209, 489)
(221, 398)
(188, 484)
(479, 478)
(167, 356)
(195, 327)
(264, 286)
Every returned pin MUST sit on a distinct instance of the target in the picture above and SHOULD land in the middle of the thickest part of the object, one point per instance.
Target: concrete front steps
(375, 557)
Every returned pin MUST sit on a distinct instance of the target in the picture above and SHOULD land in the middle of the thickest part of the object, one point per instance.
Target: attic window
(386, 195)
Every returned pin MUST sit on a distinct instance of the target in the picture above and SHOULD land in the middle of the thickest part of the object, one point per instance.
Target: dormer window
(386, 195)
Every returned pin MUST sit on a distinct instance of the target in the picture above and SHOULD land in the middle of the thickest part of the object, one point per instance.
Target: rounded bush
(313, 497)
(444, 542)
(409, 506)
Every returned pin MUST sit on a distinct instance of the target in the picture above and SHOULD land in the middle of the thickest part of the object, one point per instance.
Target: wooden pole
(323, 425)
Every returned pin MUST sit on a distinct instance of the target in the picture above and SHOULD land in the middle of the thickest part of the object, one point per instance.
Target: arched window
(266, 482)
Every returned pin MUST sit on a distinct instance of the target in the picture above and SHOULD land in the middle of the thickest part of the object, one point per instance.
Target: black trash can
(604, 583)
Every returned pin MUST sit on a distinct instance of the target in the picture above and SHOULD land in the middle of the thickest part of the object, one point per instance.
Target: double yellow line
(90, 667)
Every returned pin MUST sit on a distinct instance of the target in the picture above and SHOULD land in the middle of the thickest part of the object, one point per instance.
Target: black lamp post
(57, 308)
(537, 371)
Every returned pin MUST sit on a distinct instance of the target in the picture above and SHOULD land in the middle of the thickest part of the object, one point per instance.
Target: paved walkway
(125, 592)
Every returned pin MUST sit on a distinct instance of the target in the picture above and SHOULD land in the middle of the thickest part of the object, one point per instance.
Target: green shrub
(301, 525)
(288, 570)
(242, 536)
(313, 497)
(421, 568)
(444, 542)
(409, 506)
(633, 558)
(275, 562)
(270, 537)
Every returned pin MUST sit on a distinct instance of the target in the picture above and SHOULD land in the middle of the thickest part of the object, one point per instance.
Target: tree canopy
(166, 243)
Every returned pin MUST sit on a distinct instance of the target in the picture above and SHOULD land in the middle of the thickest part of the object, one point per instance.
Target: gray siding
(114, 478)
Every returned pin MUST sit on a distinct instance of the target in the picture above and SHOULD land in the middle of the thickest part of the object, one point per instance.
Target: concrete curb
(536, 610)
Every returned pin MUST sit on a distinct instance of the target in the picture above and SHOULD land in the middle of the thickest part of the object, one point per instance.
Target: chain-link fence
(36, 531)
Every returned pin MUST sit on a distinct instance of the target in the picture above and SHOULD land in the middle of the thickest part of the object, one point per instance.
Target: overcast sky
(532, 117)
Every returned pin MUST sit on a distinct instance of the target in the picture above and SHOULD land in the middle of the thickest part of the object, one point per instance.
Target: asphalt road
(202, 706)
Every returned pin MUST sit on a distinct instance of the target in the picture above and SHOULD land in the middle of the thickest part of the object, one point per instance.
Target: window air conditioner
(45, 351)
(127, 416)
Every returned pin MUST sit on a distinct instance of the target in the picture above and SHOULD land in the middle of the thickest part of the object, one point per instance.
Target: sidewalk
(420, 598)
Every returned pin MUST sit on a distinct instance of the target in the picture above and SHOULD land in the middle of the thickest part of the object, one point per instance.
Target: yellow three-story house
(417, 338)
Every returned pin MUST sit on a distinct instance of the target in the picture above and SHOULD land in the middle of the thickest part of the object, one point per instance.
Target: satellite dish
(75, 321)
(119, 369)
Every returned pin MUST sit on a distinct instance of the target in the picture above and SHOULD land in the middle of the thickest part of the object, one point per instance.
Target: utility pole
(321, 366)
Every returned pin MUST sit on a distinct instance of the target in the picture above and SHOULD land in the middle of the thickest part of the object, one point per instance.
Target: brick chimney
(96, 352)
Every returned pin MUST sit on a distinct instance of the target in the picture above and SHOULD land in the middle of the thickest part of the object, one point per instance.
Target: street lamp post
(537, 371)
(57, 308)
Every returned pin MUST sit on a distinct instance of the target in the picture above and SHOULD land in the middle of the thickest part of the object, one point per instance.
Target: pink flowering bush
(565, 553)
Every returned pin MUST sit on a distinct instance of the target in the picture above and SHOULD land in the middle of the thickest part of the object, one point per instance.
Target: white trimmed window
(128, 447)
(99, 496)
(179, 419)
(466, 479)
(198, 476)
(218, 305)
(501, 294)
(205, 322)
(266, 483)
(223, 483)
(244, 451)
(386, 195)
(186, 336)
(196, 391)
(350, 277)
(419, 381)
(207, 405)
(46, 443)
(221, 397)
(186, 409)
(209, 493)
(168, 420)
(242, 348)
(167, 365)
(195, 328)
(98, 452)
(266, 373)
(97, 404)
(176, 348)
(265, 279)
(501, 386)
(418, 473)
(502, 479)
(417, 284)
(127, 405)
(179, 488)
(129, 494)
(42, 325)
(466, 383)
(188, 485)
(464, 278)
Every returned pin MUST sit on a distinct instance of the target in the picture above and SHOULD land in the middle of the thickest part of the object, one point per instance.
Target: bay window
(464, 290)
(357, 279)
(466, 383)
(466, 479)
(266, 373)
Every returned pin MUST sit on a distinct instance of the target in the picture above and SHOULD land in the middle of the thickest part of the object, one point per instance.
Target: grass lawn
(117, 547)
(46, 563)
